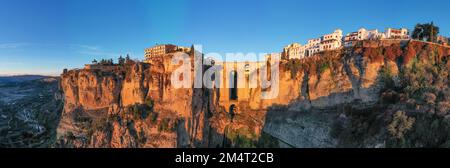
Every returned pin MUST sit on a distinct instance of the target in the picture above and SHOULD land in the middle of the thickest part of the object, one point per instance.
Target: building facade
(183, 49)
(350, 38)
(159, 50)
(326, 42)
(331, 41)
(401, 33)
(375, 35)
(312, 47)
(362, 34)
(294, 51)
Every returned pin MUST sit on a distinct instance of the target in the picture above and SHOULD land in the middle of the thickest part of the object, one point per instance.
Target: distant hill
(20, 78)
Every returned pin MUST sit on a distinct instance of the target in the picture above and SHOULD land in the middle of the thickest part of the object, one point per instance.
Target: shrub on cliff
(429, 131)
(138, 111)
(324, 66)
(400, 124)
(425, 91)
(142, 138)
(150, 103)
(153, 117)
(166, 125)
(294, 66)
(243, 142)
(101, 125)
(70, 136)
(387, 77)
(416, 79)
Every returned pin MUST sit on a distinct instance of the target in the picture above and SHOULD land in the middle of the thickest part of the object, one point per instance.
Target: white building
(362, 34)
(401, 33)
(326, 42)
(336, 40)
(331, 41)
(312, 47)
(159, 50)
(294, 51)
(350, 38)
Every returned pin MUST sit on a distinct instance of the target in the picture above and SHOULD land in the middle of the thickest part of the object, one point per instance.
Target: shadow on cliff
(354, 118)
(345, 125)
(351, 120)
(364, 122)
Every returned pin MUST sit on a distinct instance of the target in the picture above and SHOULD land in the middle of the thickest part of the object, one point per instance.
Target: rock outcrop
(132, 106)
(319, 99)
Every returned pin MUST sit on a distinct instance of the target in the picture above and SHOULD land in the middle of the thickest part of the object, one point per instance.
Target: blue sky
(45, 36)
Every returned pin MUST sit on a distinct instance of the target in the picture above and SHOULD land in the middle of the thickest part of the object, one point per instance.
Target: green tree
(121, 60)
(426, 32)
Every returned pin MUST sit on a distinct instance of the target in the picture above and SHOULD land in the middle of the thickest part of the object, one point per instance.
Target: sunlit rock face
(136, 104)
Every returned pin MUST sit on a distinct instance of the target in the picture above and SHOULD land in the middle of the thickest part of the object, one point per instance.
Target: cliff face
(350, 97)
(322, 102)
(132, 106)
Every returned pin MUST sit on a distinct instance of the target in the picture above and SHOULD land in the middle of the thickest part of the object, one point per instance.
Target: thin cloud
(12, 45)
(87, 47)
(98, 53)
(10, 63)
(86, 50)
(90, 50)
(52, 50)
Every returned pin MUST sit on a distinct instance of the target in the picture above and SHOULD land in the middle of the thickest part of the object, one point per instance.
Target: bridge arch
(233, 85)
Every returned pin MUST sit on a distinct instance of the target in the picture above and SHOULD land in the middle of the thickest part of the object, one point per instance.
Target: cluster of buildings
(162, 49)
(332, 41)
(364, 34)
(336, 40)
(327, 42)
